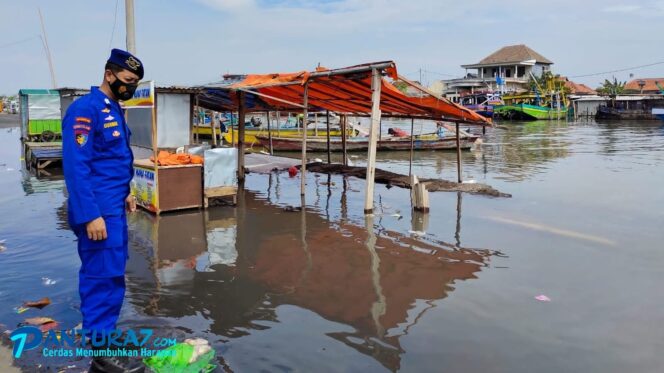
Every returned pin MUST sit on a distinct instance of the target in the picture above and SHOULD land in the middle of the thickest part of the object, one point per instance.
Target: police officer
(97, 162)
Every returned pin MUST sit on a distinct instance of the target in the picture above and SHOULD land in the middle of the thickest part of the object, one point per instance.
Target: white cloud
(626, 8)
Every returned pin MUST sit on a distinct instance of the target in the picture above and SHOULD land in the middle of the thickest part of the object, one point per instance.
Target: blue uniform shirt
(97, 158)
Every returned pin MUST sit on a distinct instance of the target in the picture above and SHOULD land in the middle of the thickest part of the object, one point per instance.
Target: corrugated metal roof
(29, 91)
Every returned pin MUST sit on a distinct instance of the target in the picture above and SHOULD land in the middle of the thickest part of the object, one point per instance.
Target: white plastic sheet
(220, 168)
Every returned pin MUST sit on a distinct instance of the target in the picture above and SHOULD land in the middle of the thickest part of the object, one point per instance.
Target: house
(578, 89)
(506, 70)
(645, 86)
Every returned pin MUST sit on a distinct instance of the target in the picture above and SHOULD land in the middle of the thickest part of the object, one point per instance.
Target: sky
(191, 42)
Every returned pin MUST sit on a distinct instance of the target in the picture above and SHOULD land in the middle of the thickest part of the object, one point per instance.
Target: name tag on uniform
(110, 124)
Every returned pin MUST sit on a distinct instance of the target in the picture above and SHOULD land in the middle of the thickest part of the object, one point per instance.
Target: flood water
(330, 290)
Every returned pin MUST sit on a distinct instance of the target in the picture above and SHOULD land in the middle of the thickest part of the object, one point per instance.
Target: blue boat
(658, 113)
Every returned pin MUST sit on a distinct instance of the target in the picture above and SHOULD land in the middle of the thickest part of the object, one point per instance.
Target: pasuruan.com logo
(89, 343)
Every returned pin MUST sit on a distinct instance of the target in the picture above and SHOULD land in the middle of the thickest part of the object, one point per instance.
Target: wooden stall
(161, 120)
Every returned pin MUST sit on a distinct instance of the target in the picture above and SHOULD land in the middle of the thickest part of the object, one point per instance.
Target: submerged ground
(276, 289)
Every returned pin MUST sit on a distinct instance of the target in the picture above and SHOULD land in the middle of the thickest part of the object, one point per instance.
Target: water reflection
(235, 267)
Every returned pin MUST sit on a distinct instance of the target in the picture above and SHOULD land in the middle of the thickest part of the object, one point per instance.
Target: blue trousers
(101, 281)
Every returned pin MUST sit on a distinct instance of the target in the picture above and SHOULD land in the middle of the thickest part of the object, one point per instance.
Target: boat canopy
(345, 90)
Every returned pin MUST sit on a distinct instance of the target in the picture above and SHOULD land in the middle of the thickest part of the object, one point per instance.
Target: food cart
(161, 119)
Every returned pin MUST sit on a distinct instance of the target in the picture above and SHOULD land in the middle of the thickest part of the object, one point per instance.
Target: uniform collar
(98, 93)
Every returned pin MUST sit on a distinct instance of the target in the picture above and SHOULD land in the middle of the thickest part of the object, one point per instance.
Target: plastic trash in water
(543, 298)
(47, 281)
(292, 171)
(191, 356)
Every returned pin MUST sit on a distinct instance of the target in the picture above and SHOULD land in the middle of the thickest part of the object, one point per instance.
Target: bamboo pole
(344, 118)
(269, 133)
(303, 170)
(458, 149)
(316, 124)
(327, 125)
(412, 145)
(373, 139)
(198, 120)
(213, 128)
(278, 124)
(240, 137)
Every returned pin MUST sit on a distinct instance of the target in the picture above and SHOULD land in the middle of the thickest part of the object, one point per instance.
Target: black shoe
(116, 365)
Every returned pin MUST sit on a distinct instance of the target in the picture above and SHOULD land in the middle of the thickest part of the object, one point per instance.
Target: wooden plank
(220, 191)
(180, 187)
(373, 140)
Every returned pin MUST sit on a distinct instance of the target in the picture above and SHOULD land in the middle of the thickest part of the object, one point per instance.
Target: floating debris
(47, 281)
(2, 246)
(543, 298)
(38, 303)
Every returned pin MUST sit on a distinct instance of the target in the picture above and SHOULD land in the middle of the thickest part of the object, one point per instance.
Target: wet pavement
(274, 288)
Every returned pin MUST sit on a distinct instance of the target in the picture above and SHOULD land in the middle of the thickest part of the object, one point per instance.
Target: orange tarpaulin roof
(345, 90)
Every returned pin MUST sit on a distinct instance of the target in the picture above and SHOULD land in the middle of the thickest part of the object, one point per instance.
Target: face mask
(122, 91)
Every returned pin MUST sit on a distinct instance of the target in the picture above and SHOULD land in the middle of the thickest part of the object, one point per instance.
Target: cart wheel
(47, 136)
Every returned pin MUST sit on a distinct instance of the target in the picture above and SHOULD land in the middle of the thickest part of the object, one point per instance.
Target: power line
(619, 70)
(115, 20)
(19, 41)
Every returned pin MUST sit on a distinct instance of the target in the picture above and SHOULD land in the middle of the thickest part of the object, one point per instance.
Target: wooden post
(327, 125)
(484, 129)
(458, 149)
(419, 195)
(303, 169)
(343, 140)
(191, 120)
(213, 128)
(240, 137)
(198, 119)
(278, 124)
(269, 132)
(373, 139)
(316, 124)
(412, 145)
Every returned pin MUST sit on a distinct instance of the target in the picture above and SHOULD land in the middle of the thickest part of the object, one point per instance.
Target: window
(521, 71)
(508, 73)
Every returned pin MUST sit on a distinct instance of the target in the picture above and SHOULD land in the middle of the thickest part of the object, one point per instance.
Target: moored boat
(424, 142)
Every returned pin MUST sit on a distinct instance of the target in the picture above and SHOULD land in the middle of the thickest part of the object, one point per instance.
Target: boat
(634, 107)
(482, 103)
(658, 113)
(251, 134)
(524, 111)
(392, 143)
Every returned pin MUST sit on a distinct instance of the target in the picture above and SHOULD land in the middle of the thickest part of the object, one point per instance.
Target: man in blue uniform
(97, 162)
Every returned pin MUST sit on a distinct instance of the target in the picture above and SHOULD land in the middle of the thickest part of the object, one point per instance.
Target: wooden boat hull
(362, 144)
(609, 113)
(251, 134)
(529, 112)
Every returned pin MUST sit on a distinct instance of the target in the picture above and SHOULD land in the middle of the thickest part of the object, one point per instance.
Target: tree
(611, 89)
(401, 85)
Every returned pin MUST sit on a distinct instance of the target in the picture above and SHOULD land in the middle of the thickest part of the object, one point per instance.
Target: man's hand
(96, 229)
(130, 203)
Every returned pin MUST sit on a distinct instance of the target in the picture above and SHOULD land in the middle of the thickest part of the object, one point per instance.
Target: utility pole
(131, 36)
(48, 51)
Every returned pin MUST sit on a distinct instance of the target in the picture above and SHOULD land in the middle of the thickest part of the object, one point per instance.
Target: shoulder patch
(83, 120)
(81, 137)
